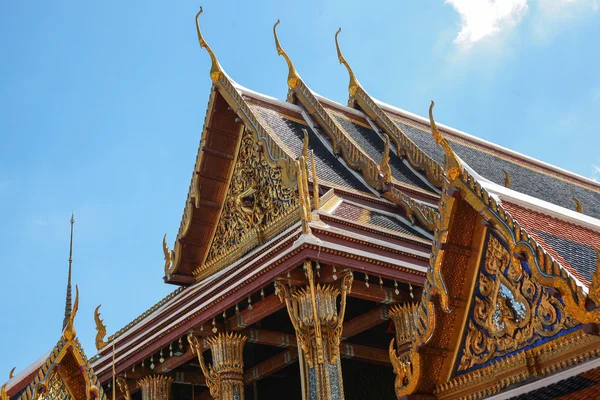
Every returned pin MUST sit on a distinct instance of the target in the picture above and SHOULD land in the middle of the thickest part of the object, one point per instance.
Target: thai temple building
(355, 251)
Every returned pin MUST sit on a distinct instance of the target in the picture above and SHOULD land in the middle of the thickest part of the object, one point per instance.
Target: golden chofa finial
(506, 179)
(215, 70)
(386, 170)
(453, 166)
(69, 331)
(101, 330)
(305, 144)
(353, 85)
(578, 206)
(168, 253)
(293, 76)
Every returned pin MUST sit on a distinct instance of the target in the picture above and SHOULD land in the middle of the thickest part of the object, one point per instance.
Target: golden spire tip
(453, 166)
(293, 76)
(353, 85)
(216, 72)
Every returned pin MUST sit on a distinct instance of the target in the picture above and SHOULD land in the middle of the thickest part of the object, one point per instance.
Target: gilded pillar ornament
(156, 387)
(318, 324)
(404, 317)
(122, 384)
(225, 377)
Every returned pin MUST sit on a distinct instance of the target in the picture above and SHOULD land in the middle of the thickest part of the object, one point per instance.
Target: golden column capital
(225, 377)
(404, 317)
(156, 387)
(318, 322)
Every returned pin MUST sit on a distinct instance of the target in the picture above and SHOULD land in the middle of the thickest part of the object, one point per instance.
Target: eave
(200, 302)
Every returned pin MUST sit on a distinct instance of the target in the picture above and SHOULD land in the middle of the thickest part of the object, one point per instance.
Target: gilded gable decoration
(511, 314)
(510, 309)
(257, 202)
(272, 154)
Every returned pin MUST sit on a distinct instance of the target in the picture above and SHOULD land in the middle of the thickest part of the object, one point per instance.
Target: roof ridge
(353, 154)
(467, 136)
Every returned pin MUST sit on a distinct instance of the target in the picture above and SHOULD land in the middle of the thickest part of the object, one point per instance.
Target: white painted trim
(542, 206)
(549, 380)
(33, 367)
(476, 139)
(335, 104)
(268, 99)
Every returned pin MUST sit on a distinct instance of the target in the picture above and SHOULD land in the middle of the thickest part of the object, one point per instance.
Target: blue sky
(102, 106)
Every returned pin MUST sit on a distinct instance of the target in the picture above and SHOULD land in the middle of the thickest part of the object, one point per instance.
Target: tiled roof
(328, 167)
(363, 215)
(570, 244)
(374, 146)
(525, 178)
(579, 387)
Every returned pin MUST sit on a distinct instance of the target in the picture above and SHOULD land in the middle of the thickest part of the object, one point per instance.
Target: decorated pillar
(318, 324)
(404, 317)
(225, 377)
(156, 387)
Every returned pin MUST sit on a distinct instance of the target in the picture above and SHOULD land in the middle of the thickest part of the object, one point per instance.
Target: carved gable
(510, 311)
(257, 205)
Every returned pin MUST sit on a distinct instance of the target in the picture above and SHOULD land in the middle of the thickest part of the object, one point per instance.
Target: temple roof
(527, 175)
(64, 372)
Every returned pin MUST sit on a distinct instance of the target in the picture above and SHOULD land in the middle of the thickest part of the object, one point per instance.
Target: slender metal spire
(68, 306)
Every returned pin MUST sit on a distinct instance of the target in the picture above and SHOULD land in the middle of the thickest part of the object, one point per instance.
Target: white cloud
(554, 15)
(483, 18)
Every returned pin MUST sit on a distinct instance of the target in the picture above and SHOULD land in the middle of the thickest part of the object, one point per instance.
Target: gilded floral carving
(510, 310)
(257, 198)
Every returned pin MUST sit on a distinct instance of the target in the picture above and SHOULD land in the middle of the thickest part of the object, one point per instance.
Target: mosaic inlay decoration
(510, 311)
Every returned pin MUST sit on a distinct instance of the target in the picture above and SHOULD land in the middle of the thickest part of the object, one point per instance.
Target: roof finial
(506, 179)
(293, 76)
(168, 254)
(215, 70)
(353, 85)
(69, 331)
(101, 330)
(578, 206)
(453, 165)
(315, 180)
(68, 299)
(386, 170)
(305, 144)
